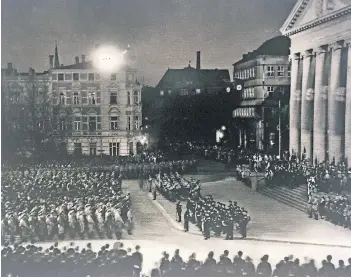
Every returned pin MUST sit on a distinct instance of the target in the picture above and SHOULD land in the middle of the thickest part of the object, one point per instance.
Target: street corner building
(320, 102)
(265, 73)
(100, 114)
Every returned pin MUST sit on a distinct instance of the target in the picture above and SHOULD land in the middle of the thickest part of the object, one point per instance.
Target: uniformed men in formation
(63, 204)
(209, 216)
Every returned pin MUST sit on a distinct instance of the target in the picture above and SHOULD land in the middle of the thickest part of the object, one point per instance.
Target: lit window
(270, 71)
(76, 98)
(113, 98)
(114, 122)
(161, 93)
(75, 77)
(280, 71)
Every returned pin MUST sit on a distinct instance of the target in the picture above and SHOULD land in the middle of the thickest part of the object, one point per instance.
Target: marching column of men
(62, 204)
(208, 215)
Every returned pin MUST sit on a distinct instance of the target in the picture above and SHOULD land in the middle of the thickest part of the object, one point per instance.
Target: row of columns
(320, 102)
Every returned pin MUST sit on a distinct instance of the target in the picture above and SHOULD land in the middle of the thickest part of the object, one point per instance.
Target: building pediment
(309, 13)
(113, 85)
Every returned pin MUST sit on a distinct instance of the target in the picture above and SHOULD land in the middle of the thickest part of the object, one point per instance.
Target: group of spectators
(32, 261)
(52, 204)
(207, 214)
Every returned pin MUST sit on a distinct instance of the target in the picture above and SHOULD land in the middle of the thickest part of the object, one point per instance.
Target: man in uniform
(186, 220)
(179, 211)
(206, 225)
(154, 193)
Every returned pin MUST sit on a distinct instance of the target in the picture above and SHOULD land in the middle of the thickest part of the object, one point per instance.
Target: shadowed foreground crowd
(33, 261)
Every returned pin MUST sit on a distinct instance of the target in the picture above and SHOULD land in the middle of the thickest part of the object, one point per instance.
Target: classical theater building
(320, 101)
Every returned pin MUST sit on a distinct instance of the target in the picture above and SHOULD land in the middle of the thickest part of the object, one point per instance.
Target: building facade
(26, 109)
(320, 103)
(266, 77)
(102, 114)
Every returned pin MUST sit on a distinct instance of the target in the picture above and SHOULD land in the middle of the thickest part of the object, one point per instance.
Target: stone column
(320, 107)
(348, 107)
(295, 105)
(307, 103)
(336, 106)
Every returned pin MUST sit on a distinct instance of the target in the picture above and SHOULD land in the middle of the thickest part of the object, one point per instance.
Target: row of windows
(114, 148)
(93, 123)
(269, 71)
(248, 93)
(84, 77)
(93, 98)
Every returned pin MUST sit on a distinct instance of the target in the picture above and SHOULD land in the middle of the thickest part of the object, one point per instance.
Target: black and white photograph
(176, 138)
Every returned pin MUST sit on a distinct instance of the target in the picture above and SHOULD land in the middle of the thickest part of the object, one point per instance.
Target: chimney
(245, 56)
(83, 58)
(9, 67)
(198, 61)
(51, 61)
(77, 59)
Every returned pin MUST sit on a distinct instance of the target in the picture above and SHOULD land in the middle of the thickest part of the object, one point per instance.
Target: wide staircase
(208, 167)
(296, 197)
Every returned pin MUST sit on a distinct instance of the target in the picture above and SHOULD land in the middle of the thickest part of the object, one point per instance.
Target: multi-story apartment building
(266, 76)
(102, 114)
(26, 109)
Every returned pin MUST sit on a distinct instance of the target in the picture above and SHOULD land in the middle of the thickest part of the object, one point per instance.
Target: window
(92, 123)
(92, 99)
(289, 70)
(114, 148)
(129, 123)
(270, 90)
(62, 125)
(113, 97)
(84, 97)
(136, 97)
(91, 76)
(62, 98)
(114, 122)
(270, 71)
(75, 76)
(136, 122)
(93, 149)
(77, 148)
(161, 93)
(54, 77)
(76, 123)
(128, 98)
(68, 77)
(131, 152)
(280, 71)
(113, 77)
(75, 98)
(83, 76)
(60, 77)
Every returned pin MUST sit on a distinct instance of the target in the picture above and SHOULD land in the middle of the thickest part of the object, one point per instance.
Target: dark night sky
(165, 33)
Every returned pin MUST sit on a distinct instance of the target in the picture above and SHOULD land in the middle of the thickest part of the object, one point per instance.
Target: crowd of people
(208, 215)
(33, 261)
(52, 204)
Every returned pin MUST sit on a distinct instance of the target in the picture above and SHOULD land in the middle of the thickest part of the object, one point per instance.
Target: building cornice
(319, 21)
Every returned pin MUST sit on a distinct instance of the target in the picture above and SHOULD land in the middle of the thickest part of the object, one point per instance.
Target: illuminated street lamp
(224, 128)
(108, 59)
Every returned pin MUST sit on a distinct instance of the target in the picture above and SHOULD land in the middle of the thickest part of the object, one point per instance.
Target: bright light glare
(108, 59)
(224, 128)
(143, 140)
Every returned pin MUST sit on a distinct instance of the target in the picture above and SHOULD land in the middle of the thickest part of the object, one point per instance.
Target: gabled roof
(178, 78)
(310, 13)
